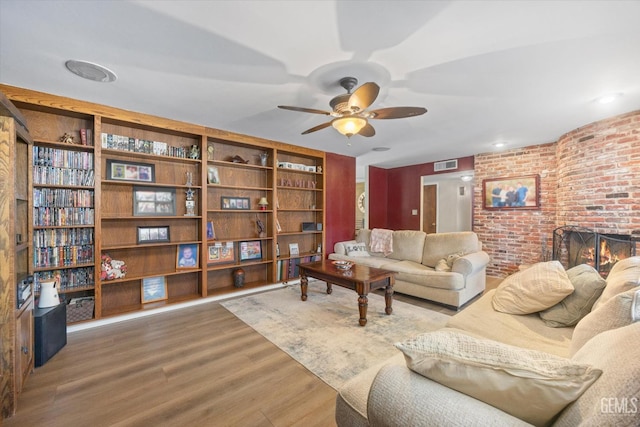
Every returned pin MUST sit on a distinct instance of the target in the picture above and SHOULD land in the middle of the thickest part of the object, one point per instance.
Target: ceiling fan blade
(367, 130)
(397, 112)
(364, 96)
(316, 128)
(304, 110)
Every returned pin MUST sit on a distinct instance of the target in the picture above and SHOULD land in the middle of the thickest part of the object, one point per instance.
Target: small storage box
(80, 309)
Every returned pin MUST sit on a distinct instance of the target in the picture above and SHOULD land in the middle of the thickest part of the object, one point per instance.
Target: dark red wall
(378, 187)
(402, 194)
(341, 189)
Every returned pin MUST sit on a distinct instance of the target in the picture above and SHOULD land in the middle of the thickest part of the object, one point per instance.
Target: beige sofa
(415, 257)
(606, 339)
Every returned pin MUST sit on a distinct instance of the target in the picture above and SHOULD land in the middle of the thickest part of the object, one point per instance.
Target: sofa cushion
(624, 275)
(613, 400)
(419, 274)
(536, 288)
(441, 245)
(356, 249)
(588, 285)
(407, 245)
(615, 313)
(528, 384)
(369, 261)
(446, 263)
(526, 331)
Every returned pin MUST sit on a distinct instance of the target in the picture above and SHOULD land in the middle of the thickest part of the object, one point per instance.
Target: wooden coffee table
(359, 278)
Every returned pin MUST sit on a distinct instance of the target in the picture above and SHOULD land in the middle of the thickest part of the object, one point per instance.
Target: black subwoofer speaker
(50, 332)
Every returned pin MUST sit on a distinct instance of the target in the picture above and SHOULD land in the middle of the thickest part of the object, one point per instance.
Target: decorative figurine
(66, 138)
(261, 228)
(263, 158)
(238, 159)
(190, 203)
(194, 152)
(189, 179)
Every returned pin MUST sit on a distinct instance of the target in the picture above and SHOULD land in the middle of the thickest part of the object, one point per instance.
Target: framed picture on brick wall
(516, 192)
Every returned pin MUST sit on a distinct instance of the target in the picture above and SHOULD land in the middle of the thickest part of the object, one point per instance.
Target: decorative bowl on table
(343, 265)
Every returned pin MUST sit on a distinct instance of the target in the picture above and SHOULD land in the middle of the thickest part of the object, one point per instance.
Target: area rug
(323, 334)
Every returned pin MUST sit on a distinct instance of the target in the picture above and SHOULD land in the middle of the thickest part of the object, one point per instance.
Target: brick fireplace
(589, 178)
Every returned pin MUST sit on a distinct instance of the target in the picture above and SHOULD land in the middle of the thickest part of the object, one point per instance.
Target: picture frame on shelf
(211, 231)
(118, 170)
(188, 256)
(235, 203)
(155, 234)
(213, 175)
(250, 250)
(294, 250)
(152, 201)
(153, 289)
(220, 253)
(511, 193)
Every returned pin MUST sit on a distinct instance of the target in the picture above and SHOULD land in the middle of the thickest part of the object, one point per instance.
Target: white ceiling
(520, 72)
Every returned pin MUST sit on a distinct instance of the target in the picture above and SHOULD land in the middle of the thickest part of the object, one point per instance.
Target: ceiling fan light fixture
(349, 126)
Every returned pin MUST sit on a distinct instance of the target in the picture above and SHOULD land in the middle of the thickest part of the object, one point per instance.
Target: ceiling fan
(349, 110)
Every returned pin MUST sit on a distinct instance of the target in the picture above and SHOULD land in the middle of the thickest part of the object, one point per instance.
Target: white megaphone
(48, 294)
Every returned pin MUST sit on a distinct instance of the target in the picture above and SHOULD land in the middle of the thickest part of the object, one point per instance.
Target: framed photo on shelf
(154, 289)
(250, 250)
(293, 249)
(128, 171)
(213, 176)
(151, 201)
(220, 252)
(187, 256)
(235, 203)
(517, 192)
(211, 231)
(153, 234)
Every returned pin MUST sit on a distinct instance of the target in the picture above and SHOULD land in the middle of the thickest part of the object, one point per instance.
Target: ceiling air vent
(445, 166)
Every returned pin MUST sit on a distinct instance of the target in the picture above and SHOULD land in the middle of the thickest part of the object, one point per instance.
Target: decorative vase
(238, 278)
(48, 294)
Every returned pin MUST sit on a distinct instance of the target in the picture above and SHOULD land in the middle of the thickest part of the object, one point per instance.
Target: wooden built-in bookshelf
(164, 147)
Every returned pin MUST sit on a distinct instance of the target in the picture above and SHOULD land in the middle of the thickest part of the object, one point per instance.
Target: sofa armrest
(470, 263)
(400, 397)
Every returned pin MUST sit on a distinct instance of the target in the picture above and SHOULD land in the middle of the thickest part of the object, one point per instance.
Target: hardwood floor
(196, 366)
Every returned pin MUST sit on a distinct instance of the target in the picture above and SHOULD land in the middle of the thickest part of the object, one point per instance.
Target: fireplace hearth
(573, 245)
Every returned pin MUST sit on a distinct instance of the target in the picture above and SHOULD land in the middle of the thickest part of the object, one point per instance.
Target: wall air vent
(445, 166)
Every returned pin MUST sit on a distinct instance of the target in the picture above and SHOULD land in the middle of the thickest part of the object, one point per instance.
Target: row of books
(70, 278)
(62, 197)
(48, 175)
(50, 237)
(290, 268)
(57, 158)
(46, 217)
(125, 143)
(62, 256)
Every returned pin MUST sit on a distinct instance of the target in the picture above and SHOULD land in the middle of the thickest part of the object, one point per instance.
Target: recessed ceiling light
(499, 144)
(466, 178)
(606, 99)
(381, 149)
(91, 71)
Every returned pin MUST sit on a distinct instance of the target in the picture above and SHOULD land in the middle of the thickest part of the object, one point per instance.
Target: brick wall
(514, 237)
(589, 178)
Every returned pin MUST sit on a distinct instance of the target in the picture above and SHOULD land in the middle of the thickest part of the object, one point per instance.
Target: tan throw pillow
(615, 313)
(445, 264)
(528, 384)
(537, 288)
(356, 249)
(624, 275)
(588, 285)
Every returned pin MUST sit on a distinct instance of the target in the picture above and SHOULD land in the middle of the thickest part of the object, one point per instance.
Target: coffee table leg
(363, 303)
(329, 288)
(388, 298)
(304, 282)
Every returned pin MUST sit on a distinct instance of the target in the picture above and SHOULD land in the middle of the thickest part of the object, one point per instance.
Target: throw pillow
(622, 277)
(588, 285)
(615, 313)
(357, 250)
(537, 288)
(528, 384)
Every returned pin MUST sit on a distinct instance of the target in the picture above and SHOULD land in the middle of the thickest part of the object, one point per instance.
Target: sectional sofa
(448, 268)
(516, 369)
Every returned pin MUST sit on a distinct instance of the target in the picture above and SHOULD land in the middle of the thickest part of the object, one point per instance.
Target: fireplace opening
(574, 245)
